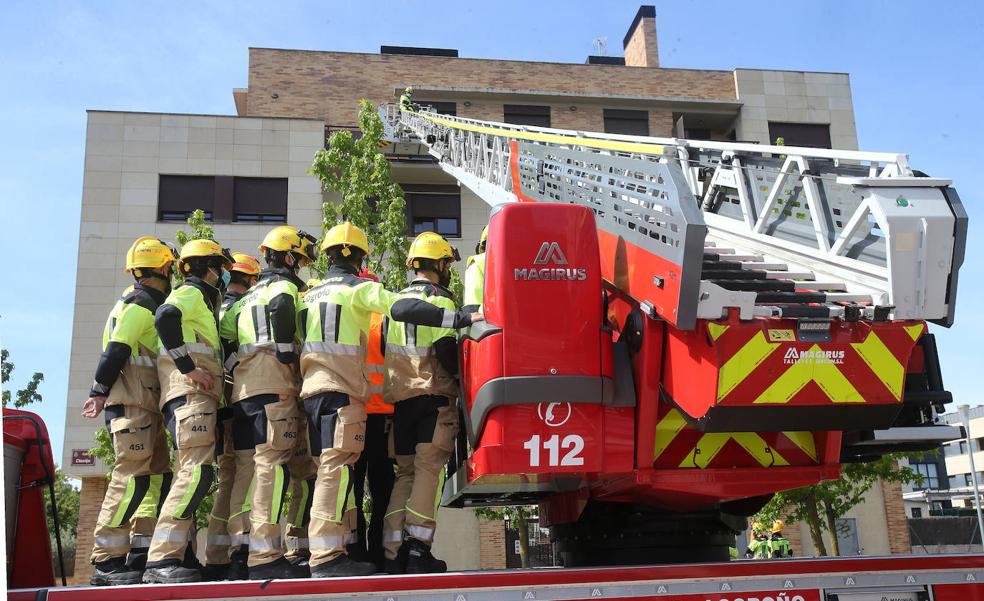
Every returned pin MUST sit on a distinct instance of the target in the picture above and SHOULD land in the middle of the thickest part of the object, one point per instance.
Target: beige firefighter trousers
(141, 474)
(218, 541)
(192, 420)
(412, 510)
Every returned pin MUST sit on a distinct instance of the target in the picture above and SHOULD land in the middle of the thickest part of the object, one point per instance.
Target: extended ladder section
(691, 229)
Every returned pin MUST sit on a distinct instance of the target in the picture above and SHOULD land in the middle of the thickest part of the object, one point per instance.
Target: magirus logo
(813, 356)
(550, 252)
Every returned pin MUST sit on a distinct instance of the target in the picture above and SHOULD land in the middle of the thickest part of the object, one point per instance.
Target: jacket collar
(209, 293)
(158, 296)
(427, 282)
(342, 269)
(275, 273)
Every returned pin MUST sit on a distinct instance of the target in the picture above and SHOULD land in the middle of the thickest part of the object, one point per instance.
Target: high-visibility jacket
(474, 281)
(127, 369)
(421, 360)
(779, 546)
(759, 548)
(228, 317)
(187, 325)
(376, 368)
(267, 335)
(334, 318)
(406, 103)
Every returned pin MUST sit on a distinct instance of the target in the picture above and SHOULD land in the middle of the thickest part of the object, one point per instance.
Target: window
(930, 474)
(179, 195)
(443, 108)
(800, 134)
(223, 198)
(963, 447)
(630, 123)
(980, 444)
(917, 512)
(259, 200)
(950, 449)
(432, 208)
(524, 114)
(847, 536)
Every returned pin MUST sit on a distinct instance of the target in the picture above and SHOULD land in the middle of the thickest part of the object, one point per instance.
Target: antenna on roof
(601, 46)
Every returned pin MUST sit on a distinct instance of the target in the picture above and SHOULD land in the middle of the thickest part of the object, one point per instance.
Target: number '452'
(572, 443)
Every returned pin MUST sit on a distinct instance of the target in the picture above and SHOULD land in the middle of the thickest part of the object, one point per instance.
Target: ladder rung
(764, 266)
(826, 286)
(789, 275)
(756, 285)
(720, 251)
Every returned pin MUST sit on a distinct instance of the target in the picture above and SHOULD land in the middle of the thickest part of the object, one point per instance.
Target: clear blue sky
(916, 73)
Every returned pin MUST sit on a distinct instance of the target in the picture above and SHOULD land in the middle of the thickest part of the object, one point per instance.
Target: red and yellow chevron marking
(761, 365)
(680, 446)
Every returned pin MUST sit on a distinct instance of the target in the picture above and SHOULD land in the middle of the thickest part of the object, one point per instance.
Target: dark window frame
(535, 115)
(626, 122)
(223, 198)
(418, 213)
(810, 135)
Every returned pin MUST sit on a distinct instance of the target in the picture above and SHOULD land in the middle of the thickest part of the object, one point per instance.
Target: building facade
(145, 172)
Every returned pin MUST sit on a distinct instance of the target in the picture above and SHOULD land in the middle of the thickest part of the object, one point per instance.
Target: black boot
(136, 559)
(342, 566)
(398, 565)
(278, 569)
(302, 563)
(213, 572)
(113, 572)
(421, 561)
(237, 565)
(171, 572)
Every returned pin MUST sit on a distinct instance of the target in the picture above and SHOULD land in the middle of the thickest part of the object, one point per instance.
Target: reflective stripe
(394, 512)
(322, 543)
(351, 538)
(124, 504)
(252, 347)
(375, 369)
(420, 515)
(99, 388)
(265, 544)
(141, 540)
(392, 536)
(285, 347)
(332, 348)
(142, 361)
(112, 542)
(412, 351)
(239, 539)
(420, 533)
(231, 361)
(184, 349)
(448, 320)
(220, 540)
(297, 544)
(377, 389)
(164, 535)
(260, 323)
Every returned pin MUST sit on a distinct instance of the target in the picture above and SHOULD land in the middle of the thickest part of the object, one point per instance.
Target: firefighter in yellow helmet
(270, 443)
(779, 545)
(190, 371)
(421, 371)
(335, 319)
(406, 100)
(475, 275)
(243, 274)
(126, 384)
(758, 542)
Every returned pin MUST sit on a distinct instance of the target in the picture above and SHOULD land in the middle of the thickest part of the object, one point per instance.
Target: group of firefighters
(763, 544)
(262, 383)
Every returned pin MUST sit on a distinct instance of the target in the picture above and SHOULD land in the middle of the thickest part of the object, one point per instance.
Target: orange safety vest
(374, 367)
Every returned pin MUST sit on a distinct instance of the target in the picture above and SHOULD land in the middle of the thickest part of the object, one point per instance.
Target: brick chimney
(639, 43)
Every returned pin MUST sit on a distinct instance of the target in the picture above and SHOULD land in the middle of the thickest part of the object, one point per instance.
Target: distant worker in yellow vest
(779, 545)
(242, 276)
(126, 384)
(190, 371)
(406, 100)
(335, 320)
(475, 275)
(758, 542)
(421, 371)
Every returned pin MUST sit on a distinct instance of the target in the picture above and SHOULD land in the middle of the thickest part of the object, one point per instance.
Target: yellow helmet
(429, 245)
(408, 89)
(311, 283)
(776, 526)
(244, 263)
(287, 238)
(195, 249)
(480, 247)
(346, 234)
(148, 252)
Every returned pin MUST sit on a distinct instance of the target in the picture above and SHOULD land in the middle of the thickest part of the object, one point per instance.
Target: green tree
(355, 169)
(25, 396)
(519, 516)
(200, 229)
(820, 505)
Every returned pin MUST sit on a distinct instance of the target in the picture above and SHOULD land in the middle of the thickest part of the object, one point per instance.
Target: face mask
(444, 278)
(226, 276)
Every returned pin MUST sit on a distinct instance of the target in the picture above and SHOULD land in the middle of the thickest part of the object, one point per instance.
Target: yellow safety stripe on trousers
(189, 494)
(441, 477)
(553, 138)
(742, 363)
(305, 492)
(152, 499)
(342, 495)
(824, 373)
(279, 489)
(666, 430)
(710, 445)
(882, 362)
(124, 504)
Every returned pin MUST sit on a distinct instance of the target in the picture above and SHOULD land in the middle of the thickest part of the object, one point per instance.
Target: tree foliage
(25, 396)
(355, 169)
(820, 505)
(200, 229)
